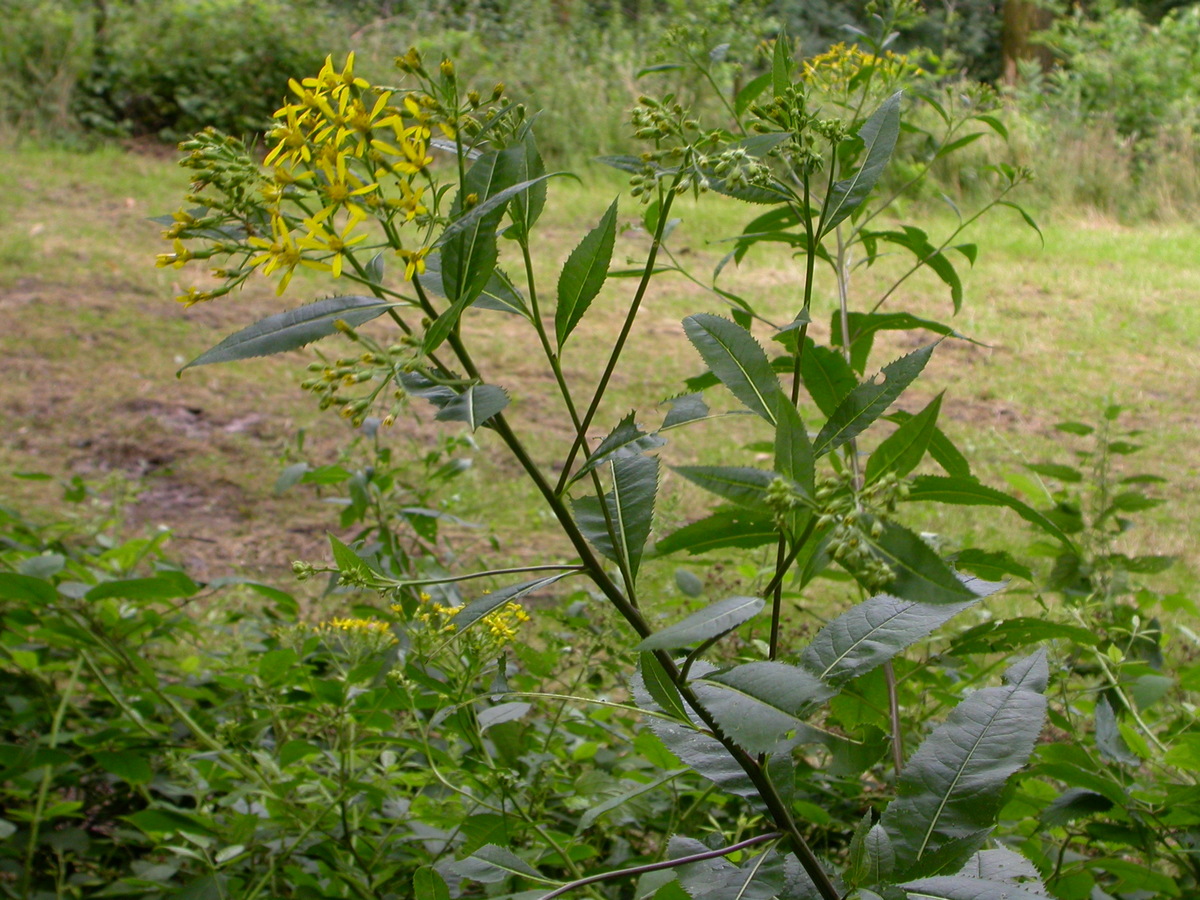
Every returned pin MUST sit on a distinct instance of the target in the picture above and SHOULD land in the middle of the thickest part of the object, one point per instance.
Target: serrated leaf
(904, 449)
(952, 785)
(498, 294)
(584, 274)
(684, 409)
(969, 492)
(827, 376)
(637, 789)
(526, 206)
(491, 864)
(1072, 804)
(869, 400)
(630, 507)
(878, 134)
(781, 64)
(1002, 864)
(917, 242)
(1109, 741)
(761, 877)
(919, 574)
(475, 406)
(429, 885)
(742, 485)
(759, 705)
(872, 632)
(991, 565)
(500, 713)
(724, 529)
(627, 439)
(737, 359)
(473, 612)
(863, 326)
(962, 887)
(661, 688)
(793, 450)
(293, 329)
(714, 620)
(871, 857)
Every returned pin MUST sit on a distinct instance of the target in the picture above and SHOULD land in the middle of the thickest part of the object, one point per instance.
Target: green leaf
(526, 206)
(969, 492)
(26, 589)
(473, 612)
(725, 528)
(428, 885)
(1068, 474)
(491, 864)
(874, 631)
(751, 91)
(904, 449)
(759, 705)
(1010, 634)
(990, 565)
(165, 586)
(743, 485)
(168, 821)
(871, 856)
(1109, 741)
(827, 376)
(917, 242)
(737, 359)
(627, 439)
(630, 507)
(781, 64)
(952, 786)
(475, 406)
(293, 329)
(685, 408)
(584, 274)
(963, 887)
(637, 789)
(128, 765)
(717, 619)
(660, 687)
(863, 326)
(498, 294)
(1072, 804)
(870, 400)
(919, 574)
(793, 450)
(878, 135)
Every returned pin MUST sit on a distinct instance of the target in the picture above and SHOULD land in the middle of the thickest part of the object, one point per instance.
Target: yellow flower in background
(333, 81)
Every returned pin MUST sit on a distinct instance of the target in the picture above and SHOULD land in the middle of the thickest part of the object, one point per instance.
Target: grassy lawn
(90, 341)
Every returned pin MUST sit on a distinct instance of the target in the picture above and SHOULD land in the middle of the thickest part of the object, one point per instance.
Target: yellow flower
(281, 252)
(177, 259)
(291, 140)
(323, 240)
(414, 262)
(333, 81)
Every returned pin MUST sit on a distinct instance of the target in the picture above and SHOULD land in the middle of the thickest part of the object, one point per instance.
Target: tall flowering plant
(364, 181)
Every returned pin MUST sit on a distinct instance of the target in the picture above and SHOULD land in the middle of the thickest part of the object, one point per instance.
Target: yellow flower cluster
(844, 68)
(501, 625)
(343, 153)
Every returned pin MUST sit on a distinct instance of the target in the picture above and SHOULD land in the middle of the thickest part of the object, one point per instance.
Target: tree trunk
(1022, 19)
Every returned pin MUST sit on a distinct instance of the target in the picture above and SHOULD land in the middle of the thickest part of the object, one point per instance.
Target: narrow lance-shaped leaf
(917, 572)
(760, 705)
(743, 485)
(627, 439)
(874, 631)
(630, 508)
(736, 358)
(879, 135)
(527, 206)
(584, 274)
(713, 621)
(904, 449)
(473, 612)
(951, 787)
(870, 400)
(660, 687)
(863, 326)
(969, 492)
(725, 528)
(475, 406)
(293, 329)
(793, 450)
(491, 864)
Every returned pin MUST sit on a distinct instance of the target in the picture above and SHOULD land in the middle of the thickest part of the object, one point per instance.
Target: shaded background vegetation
(1103, 94)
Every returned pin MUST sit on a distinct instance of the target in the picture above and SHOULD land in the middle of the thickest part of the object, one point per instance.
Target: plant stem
(664, 864)
(602, 386)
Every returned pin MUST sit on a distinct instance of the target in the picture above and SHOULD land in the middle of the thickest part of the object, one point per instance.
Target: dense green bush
(169, 68)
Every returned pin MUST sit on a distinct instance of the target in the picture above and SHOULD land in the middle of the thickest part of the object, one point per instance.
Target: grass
(90, 341)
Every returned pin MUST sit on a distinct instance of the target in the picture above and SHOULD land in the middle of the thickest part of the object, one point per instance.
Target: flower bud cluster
(738, 169)
(858, 520)
(376, 369)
